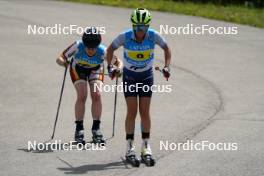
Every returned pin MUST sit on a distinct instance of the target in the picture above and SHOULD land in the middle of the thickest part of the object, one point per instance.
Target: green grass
(235, 14)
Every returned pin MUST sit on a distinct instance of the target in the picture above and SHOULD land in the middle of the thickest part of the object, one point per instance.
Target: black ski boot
(98, 137)
(79, 136)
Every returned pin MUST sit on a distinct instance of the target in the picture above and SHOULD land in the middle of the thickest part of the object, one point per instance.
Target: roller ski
(146, 157)
(98, 138)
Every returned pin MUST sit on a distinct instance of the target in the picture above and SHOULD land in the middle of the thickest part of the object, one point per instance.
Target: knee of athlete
(96, 96)
(144, 114)
(81, 98)
(131, 114)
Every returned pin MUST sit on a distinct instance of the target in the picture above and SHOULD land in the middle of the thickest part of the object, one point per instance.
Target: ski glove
(113, 71)
(166, 72)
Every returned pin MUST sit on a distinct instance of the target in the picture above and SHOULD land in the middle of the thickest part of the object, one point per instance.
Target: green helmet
(140, 16)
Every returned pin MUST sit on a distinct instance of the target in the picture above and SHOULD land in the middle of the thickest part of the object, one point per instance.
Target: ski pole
(114, 115)
(57, 114)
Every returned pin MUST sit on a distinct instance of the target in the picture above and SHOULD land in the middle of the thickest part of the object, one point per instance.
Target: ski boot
(79, 136)
(146, 157)
(131, 158)
(98, 137)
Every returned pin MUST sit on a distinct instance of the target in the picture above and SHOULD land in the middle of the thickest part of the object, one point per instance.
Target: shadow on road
(47, 149)
(90, 167)
(35, 151)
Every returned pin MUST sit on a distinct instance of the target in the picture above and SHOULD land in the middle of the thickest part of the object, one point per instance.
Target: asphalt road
(217, 96)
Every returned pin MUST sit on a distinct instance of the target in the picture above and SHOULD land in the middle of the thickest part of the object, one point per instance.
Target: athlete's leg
(81, 90)
(132, 106)
(96, 108)
(144, 110)
(131, 114)
(80, 84)
(144, 107)
(146, 153)
(96, 81)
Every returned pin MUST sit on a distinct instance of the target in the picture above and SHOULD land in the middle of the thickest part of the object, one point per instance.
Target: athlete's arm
(117, 62)
(114, 59)
(66, 54)
(167, 55)
(119, 41)
(159, 40)
(109, 55)
(114, 64)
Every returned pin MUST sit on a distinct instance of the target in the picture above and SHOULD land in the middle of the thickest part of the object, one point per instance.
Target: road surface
(217, 96)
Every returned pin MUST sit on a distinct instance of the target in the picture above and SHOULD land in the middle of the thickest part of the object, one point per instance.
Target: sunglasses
(143, 28)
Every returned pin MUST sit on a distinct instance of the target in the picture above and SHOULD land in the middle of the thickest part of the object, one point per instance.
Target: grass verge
(235, 14)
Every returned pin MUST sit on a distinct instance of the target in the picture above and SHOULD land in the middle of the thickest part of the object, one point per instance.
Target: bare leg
(81, 90)
(96, 100)
(144, 107)
(131, 114)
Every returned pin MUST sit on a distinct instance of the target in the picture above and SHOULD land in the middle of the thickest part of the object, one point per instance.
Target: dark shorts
(79, 73)
(137, 83)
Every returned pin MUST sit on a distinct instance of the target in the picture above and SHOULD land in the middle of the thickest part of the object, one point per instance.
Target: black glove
(166, 72)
